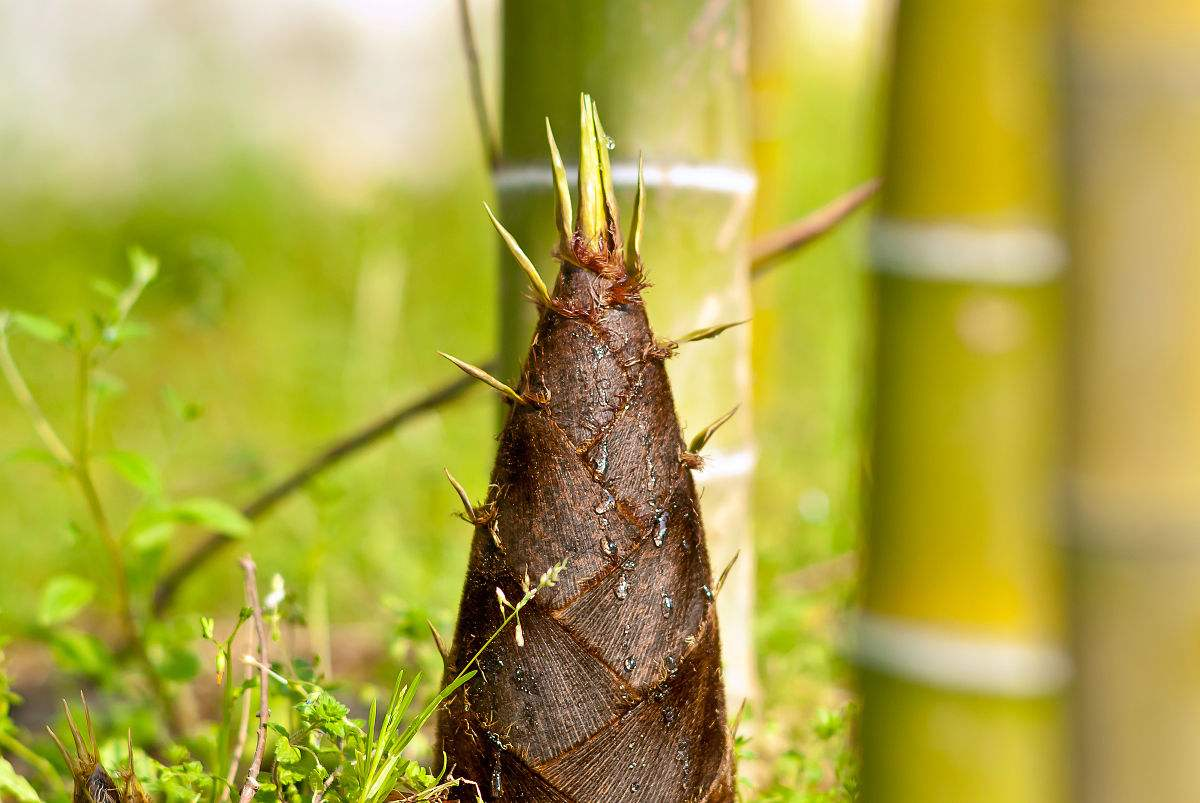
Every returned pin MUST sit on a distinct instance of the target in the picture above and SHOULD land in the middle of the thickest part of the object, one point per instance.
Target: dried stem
(250, 788)
(239, 746)
(763, 252)
(766, 249)
(487, 135)
(333, 454)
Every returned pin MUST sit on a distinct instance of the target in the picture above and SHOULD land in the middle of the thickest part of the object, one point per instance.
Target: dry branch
(250, 788)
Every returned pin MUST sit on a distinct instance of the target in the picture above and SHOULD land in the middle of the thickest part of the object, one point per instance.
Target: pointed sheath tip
(563, 213)
(710, 331)
(439, 643)
(80, 749)
(634, 262)
(705, 435)
(591, 195)
(483, 376)
(531, 273)
(603, 142)
(468, 508)
(725, 572)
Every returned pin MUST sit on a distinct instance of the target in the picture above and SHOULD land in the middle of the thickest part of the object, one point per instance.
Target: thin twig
(333, 454)
(15, 746)
(250, 788)
(487, 134)
(319, 795)
(25, 398)
(81, 469)
(763, 251)
(766, 249)
(243, 731)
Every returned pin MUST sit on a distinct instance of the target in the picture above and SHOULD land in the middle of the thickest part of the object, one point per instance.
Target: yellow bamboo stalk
(1134, 481)
(960, 638)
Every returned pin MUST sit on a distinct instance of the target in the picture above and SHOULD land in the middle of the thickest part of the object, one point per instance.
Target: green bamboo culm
(960, 640)
(669, 79)
(1134, 468)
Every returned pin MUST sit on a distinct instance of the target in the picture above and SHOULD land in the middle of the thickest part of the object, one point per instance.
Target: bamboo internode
(1134, 472)
(960, 641)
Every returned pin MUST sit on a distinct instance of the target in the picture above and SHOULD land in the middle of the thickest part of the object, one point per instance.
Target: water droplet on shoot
(609, 142)
(607, 504)
(610, 546)
(708, 594)
(622, 590)
(668, 605)
(630, 663)
(660, 527)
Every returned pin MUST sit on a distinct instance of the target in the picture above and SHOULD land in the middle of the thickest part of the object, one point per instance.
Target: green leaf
(117, 334)
(213, 513)
(13, 785)
(286, 752)
(30, 455)
(106, 288)
(38, 327)
(106, 386)
(149, 535)
(63, 597)
(178, 664)
(184, 410)
(142, 265)
(136, 469)
(79, 652)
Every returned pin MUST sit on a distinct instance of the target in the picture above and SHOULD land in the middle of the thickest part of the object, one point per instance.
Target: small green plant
(159, 655)
(311, 749)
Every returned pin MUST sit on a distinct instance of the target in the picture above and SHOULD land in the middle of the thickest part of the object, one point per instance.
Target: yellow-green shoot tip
(592, 221)
(562, 193)
(531, 273)
(634, 261)
(483, 376)
(705, 435)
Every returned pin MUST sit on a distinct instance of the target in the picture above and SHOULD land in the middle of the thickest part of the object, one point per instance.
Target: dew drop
(609, 142)
(608, 503)
(634, 787)
(610, 546)
(660, 527)
(668, 605)
(496, 788)
(708, 594)
(630, 663)
(622, 590)
(629, 565)
(669, 716)
(601, 460)
(672, 666)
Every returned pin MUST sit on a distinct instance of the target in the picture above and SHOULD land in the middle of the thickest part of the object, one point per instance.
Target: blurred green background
(311, 178)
